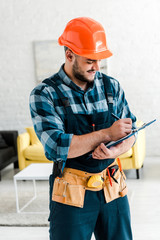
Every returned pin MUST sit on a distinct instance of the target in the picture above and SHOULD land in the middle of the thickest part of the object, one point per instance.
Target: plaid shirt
(48, 114)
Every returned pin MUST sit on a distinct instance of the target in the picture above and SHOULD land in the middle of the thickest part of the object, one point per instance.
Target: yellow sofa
(30, 150)
(134, 158)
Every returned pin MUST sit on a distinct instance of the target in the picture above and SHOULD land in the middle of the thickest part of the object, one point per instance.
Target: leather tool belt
(70, 188)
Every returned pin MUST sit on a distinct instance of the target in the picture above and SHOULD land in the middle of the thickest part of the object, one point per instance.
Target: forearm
(85, 143)
(82, 144)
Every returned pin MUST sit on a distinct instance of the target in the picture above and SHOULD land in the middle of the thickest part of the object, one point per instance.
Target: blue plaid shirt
(48, 113)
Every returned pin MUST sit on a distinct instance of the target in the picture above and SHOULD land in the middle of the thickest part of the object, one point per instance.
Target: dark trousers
(108, 221)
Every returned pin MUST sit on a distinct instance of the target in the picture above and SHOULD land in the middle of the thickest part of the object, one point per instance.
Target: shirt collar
(71, 84)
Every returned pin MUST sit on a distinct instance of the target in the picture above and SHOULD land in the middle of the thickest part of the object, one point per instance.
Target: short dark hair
(65, 48)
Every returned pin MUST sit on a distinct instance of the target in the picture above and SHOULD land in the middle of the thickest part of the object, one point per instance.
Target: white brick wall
(132, 29)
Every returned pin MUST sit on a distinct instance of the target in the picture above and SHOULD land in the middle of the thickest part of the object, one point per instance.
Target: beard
(79, 74)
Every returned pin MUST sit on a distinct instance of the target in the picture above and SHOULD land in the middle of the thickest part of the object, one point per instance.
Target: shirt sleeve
(121, 106)
(48, 125)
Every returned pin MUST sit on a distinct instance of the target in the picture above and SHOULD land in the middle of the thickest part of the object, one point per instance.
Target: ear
(69, 55)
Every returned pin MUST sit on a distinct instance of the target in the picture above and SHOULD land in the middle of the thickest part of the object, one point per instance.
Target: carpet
(31, 215)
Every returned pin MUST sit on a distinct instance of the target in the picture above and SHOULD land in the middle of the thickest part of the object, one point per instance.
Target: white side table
(35, 171)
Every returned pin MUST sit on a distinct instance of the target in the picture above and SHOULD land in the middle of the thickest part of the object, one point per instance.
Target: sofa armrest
(23, 141)
(10, 138)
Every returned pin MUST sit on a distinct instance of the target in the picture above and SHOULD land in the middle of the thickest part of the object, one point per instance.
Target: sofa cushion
(35, 152)
(33, 136)
(3, 144)
(127, 154)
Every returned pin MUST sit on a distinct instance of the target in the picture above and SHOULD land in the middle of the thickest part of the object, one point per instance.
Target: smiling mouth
(93, 72)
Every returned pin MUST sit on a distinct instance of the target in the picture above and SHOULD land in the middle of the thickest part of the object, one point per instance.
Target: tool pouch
(70, 189)
(115, 189)
(66, 193)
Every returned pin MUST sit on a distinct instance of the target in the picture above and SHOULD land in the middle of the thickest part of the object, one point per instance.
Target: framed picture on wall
(49, 57)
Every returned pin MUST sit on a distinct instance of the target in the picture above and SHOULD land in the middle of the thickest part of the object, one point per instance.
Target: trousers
(108, 221)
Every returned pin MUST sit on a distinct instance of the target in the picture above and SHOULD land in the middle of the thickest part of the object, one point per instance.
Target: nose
(97, 65)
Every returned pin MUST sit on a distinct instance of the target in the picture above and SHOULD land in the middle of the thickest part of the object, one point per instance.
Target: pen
(116, 117)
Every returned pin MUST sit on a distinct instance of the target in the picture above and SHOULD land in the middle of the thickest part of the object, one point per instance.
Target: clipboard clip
(134, 130)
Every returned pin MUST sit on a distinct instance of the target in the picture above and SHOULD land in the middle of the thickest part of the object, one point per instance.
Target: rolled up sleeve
(48, 125)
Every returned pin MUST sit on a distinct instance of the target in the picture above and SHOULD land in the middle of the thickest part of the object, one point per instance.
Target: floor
(144, 204)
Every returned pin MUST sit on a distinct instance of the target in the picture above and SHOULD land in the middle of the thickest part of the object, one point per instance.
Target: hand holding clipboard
(133, 132)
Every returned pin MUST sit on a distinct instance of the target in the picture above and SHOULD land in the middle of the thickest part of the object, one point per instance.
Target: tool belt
(70, 188)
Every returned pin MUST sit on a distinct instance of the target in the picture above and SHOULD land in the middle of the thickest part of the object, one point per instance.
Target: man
(72, 116)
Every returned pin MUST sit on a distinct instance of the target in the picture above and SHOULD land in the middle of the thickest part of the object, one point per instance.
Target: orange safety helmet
(85, 37)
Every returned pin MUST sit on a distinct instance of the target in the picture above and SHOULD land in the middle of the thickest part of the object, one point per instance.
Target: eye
(89, 62)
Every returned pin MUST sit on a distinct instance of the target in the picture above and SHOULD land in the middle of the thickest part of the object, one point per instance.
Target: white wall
(132, 29)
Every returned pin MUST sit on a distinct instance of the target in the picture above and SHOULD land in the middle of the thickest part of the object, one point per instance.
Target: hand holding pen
(116, 117)
(120, 128)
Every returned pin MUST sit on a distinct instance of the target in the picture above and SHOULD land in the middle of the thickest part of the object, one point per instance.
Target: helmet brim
(98, 56)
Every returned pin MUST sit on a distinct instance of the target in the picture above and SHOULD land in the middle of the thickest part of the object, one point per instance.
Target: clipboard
(134, 131)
